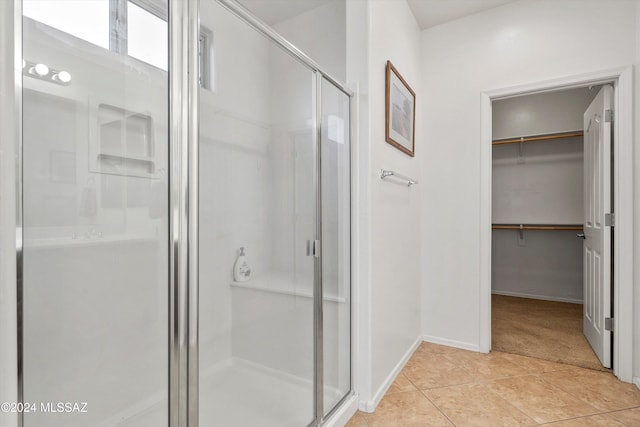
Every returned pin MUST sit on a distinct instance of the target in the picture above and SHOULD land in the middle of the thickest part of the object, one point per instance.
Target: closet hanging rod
(386, 173)
(544, 137)
(554, 227)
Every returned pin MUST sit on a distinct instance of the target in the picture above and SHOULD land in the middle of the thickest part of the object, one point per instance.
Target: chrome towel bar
(386, 173)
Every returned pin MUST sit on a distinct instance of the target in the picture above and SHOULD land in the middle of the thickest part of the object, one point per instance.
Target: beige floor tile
(591, 421)
(601, 390)
(411, 408)
(357, 420)
(426, 370)
(540, 400)
(401, 384)
(475, 405)
(549, 330)
(486, 366)
(430, 348)
(534, 365)
(500, 389)
(629, 417)
(425, 355)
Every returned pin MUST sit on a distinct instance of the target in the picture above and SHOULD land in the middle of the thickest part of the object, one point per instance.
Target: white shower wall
(235, 192)
(255, 182)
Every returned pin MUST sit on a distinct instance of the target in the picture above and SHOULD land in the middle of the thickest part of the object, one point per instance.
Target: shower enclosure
(158, 139)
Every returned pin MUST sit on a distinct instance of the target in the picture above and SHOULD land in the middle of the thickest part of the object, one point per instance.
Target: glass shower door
(336, 244)
(257, 213)
(95, 157)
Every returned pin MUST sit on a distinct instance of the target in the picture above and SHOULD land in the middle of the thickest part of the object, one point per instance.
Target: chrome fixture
(386, 173)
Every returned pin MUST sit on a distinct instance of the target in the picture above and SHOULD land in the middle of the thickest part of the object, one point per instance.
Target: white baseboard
(344, 413)
(371, 404)
(636, 381)
(540, 297)
(451, 343)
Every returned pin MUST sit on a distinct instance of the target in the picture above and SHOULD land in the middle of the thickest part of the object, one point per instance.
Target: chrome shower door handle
(581, 235)
(313, 248)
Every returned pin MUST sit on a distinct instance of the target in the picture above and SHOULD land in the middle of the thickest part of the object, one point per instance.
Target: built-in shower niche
(123, 143)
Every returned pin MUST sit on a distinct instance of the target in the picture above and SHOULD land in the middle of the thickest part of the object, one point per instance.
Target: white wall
(395, 208)
(522, 42)
(541, 113)
(8, 302)
(540, 185)
(542, 265)
(357, 68)
(386, 240)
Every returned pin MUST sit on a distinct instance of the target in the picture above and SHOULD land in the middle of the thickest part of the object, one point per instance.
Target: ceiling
(430, 13)
(274, 11)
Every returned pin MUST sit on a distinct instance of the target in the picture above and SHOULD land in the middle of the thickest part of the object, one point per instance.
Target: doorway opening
(620, 302)
(538, 211)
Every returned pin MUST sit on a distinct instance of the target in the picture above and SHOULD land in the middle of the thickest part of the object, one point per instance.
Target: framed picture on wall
(400, 126)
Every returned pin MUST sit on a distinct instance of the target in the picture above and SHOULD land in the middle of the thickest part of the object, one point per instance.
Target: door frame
(622, 81)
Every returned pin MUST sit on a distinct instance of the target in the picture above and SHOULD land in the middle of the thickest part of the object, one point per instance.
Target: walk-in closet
(538, 215)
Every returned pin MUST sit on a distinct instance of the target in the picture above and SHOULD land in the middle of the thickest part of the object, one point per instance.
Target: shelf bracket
(521, 235)
(521, 150)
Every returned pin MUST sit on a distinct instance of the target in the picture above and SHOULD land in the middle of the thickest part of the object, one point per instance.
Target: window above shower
(127, 27)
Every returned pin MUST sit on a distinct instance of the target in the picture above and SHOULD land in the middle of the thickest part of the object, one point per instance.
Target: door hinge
(313, 248)
(608, 116)
(609, 219)
(608, 323)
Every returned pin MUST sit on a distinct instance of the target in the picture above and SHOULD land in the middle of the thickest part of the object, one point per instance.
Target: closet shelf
(545, 227)
(544, 137)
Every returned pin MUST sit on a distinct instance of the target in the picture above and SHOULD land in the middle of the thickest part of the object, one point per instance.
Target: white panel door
(597, 234)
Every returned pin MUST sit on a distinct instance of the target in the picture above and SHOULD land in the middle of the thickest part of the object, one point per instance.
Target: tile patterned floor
(444, 386)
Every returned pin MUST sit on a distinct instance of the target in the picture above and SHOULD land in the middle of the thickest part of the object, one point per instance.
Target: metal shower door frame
(11, 145)
(183, 213)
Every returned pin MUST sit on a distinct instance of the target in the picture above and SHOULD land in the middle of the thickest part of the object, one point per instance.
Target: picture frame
(400, 112)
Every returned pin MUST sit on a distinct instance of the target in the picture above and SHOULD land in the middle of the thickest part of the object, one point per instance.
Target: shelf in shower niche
(127, 157)
(122, 142)
(125, 165)
(274, 286)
